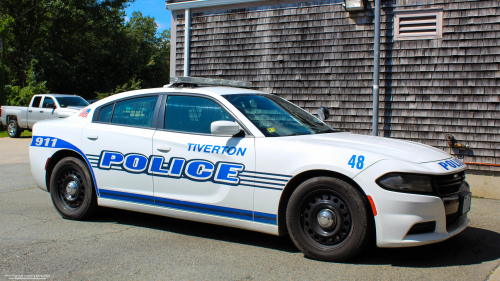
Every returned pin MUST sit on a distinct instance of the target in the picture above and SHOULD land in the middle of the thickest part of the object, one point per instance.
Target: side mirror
(323, 113)
(224, 128)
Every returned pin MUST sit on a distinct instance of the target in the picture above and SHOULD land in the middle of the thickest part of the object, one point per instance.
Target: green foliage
(83, 47)
(147, 52)
(5, 36)
(22, 96)
(129, 86)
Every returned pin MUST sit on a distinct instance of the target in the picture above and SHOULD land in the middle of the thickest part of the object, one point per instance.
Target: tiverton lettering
(216, 149)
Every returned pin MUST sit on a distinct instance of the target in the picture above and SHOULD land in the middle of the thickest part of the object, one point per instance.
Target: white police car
(251, 160)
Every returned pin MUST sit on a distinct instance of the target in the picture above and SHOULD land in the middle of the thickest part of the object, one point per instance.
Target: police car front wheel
(71, 189)
(328, 219)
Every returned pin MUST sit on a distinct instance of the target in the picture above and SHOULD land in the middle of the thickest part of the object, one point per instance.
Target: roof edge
(203, 3)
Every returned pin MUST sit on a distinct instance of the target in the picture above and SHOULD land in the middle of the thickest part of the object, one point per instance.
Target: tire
(339, 238)
(72, 189)
(13, 129)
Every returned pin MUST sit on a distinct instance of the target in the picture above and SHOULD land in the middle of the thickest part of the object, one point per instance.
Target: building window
(410, 25)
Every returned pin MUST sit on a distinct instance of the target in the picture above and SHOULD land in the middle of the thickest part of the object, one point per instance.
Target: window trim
(161, 118)
(154, 122)
(418, 13)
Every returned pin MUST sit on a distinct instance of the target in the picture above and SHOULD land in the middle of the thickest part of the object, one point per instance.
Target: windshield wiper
(326, 131)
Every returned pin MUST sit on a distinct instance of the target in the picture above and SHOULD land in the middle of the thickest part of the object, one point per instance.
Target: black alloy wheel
(72, 189)
(328, 219)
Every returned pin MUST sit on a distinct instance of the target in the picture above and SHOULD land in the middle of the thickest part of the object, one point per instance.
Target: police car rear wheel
(72, 190)
(327, 219)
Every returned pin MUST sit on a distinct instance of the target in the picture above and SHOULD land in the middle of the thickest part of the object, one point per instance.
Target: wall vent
(409, 25)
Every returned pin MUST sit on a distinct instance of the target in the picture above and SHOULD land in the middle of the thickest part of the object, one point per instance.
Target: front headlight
(410, 183)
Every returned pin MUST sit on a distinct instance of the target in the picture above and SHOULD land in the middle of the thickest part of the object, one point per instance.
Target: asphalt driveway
(123, 245)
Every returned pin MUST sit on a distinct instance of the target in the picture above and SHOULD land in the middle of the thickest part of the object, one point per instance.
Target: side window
(105, 113)
(135, 112)
(36, 102)
(48, 103)
(193, 114)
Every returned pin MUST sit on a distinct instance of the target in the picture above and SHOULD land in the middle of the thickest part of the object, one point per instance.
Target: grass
(3, 133)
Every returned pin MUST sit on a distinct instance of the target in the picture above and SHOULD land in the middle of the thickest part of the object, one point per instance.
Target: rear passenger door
(34, 111)
(118, 144)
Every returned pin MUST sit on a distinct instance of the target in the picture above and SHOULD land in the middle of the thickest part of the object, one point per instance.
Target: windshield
(71, 101)
(276, 117)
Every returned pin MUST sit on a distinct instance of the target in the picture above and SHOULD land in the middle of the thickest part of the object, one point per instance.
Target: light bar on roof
(209, 81)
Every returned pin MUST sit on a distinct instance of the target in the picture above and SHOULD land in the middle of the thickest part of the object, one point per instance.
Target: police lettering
(453, 163)
(196, 169)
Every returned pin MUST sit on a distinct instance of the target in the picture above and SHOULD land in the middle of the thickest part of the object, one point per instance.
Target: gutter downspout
(376, 68)
(187, 38)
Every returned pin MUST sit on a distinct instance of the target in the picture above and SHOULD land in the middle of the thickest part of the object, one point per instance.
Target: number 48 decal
(359, 165)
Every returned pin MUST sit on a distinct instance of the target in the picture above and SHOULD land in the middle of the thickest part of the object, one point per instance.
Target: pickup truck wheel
(13, 129)
(71, 189)
(327, 219)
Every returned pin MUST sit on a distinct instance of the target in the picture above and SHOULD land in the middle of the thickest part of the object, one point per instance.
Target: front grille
(423, 227)
(449, 184)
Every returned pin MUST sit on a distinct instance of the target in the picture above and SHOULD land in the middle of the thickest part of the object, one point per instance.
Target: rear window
(135, 112)
(132, 112)
(105, 113)
(36, 102)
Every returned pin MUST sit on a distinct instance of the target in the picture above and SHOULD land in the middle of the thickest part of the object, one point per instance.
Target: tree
(148, 52)
(5, 36)
(22, 96)
(83, 47)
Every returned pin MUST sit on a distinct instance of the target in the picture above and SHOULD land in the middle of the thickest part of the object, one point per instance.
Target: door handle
(41, 111)
(30, 111)
(162, 148)
(92, 137)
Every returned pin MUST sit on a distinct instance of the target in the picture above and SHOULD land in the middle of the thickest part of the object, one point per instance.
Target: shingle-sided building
(439, 75)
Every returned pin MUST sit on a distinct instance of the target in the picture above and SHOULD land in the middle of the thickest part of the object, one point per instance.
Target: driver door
(196, 171)
(48, 108)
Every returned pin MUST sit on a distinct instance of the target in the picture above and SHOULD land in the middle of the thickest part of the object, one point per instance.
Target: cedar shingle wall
(316, 54)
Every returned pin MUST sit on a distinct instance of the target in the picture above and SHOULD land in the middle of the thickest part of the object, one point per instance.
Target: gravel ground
(124, 245)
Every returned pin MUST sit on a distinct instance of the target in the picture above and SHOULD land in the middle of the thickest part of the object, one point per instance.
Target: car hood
(387, 148)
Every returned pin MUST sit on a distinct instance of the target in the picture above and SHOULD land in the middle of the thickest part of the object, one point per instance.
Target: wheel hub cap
(326, 218)
(11, 129)
(71, 190)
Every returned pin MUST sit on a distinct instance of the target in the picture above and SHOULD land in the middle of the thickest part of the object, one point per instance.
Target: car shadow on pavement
(197, 229)
(472, 246)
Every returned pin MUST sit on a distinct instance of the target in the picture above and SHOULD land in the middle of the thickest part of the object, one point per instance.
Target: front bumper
(398, 212)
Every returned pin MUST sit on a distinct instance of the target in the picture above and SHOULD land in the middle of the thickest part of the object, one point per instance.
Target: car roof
(204, 90)
(220, 90)
(58, 95)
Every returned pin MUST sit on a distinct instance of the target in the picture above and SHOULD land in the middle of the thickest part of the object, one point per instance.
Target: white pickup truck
(20, 118)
